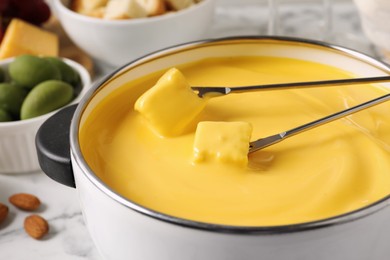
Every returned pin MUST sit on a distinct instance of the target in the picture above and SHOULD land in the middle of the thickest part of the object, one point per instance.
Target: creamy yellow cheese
(24, 38)
(170, 106)
(224, 142)
(330, 170)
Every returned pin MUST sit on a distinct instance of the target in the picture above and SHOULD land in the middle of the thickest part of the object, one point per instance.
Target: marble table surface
(68, 238)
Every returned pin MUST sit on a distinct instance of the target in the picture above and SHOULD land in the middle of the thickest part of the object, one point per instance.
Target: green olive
(46, 97)
(68, 74)
(5, 116)
(28, 71)
(11, 98)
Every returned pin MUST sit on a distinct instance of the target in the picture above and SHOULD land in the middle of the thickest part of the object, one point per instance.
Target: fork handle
(280, 86)
(273, 139)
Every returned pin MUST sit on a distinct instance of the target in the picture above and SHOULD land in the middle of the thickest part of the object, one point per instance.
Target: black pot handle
(53, 146)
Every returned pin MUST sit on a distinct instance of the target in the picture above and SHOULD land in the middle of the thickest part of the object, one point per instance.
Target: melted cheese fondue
(324, 172)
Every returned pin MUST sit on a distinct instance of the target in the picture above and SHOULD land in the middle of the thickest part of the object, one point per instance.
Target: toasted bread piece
(124, 9)
(180, 4)
(153, 7)
(87, 6)
(76, 5)
(97, 13)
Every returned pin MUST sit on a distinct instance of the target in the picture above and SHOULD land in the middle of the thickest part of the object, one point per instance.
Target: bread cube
(180, 4)
(224, 142)
(124, 9)
(87, 6)
(170, 105)
(153, 7)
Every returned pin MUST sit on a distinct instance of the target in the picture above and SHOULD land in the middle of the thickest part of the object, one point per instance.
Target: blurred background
(335, 21)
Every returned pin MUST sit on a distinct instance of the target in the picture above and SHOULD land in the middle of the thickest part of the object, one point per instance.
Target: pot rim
(280, 229)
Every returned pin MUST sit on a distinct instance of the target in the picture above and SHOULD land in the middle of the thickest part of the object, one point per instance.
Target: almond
(36, 226)
(25, 201)
(3, 212)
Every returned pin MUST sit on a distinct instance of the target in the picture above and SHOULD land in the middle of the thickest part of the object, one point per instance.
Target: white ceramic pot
(122, 229)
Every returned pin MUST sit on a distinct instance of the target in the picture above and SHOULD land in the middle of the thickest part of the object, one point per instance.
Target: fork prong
(202, 91)
(265, 142)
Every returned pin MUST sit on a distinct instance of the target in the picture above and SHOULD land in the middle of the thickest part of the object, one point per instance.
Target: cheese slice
(170, 105)
(223, 142)
(24, 38)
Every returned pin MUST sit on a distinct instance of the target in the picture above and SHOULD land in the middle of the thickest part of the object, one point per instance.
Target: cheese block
(223, 142)
(24, 38)
(170, 105)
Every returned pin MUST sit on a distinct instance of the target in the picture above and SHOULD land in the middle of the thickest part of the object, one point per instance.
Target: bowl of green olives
(31, 89)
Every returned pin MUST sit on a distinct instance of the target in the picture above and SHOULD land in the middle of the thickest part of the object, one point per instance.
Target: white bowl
(115, 42)
(17, 138)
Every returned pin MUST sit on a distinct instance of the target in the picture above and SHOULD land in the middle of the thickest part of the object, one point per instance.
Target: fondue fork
(273, 139)
(202, 91)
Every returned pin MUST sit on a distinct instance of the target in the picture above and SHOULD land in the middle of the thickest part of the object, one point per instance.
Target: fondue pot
(123, 229)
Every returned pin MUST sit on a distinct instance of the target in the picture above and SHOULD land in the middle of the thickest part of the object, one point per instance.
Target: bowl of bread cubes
(114, 32)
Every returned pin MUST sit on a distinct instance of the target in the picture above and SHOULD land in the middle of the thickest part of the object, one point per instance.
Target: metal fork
(273, 139)
(203, 91)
